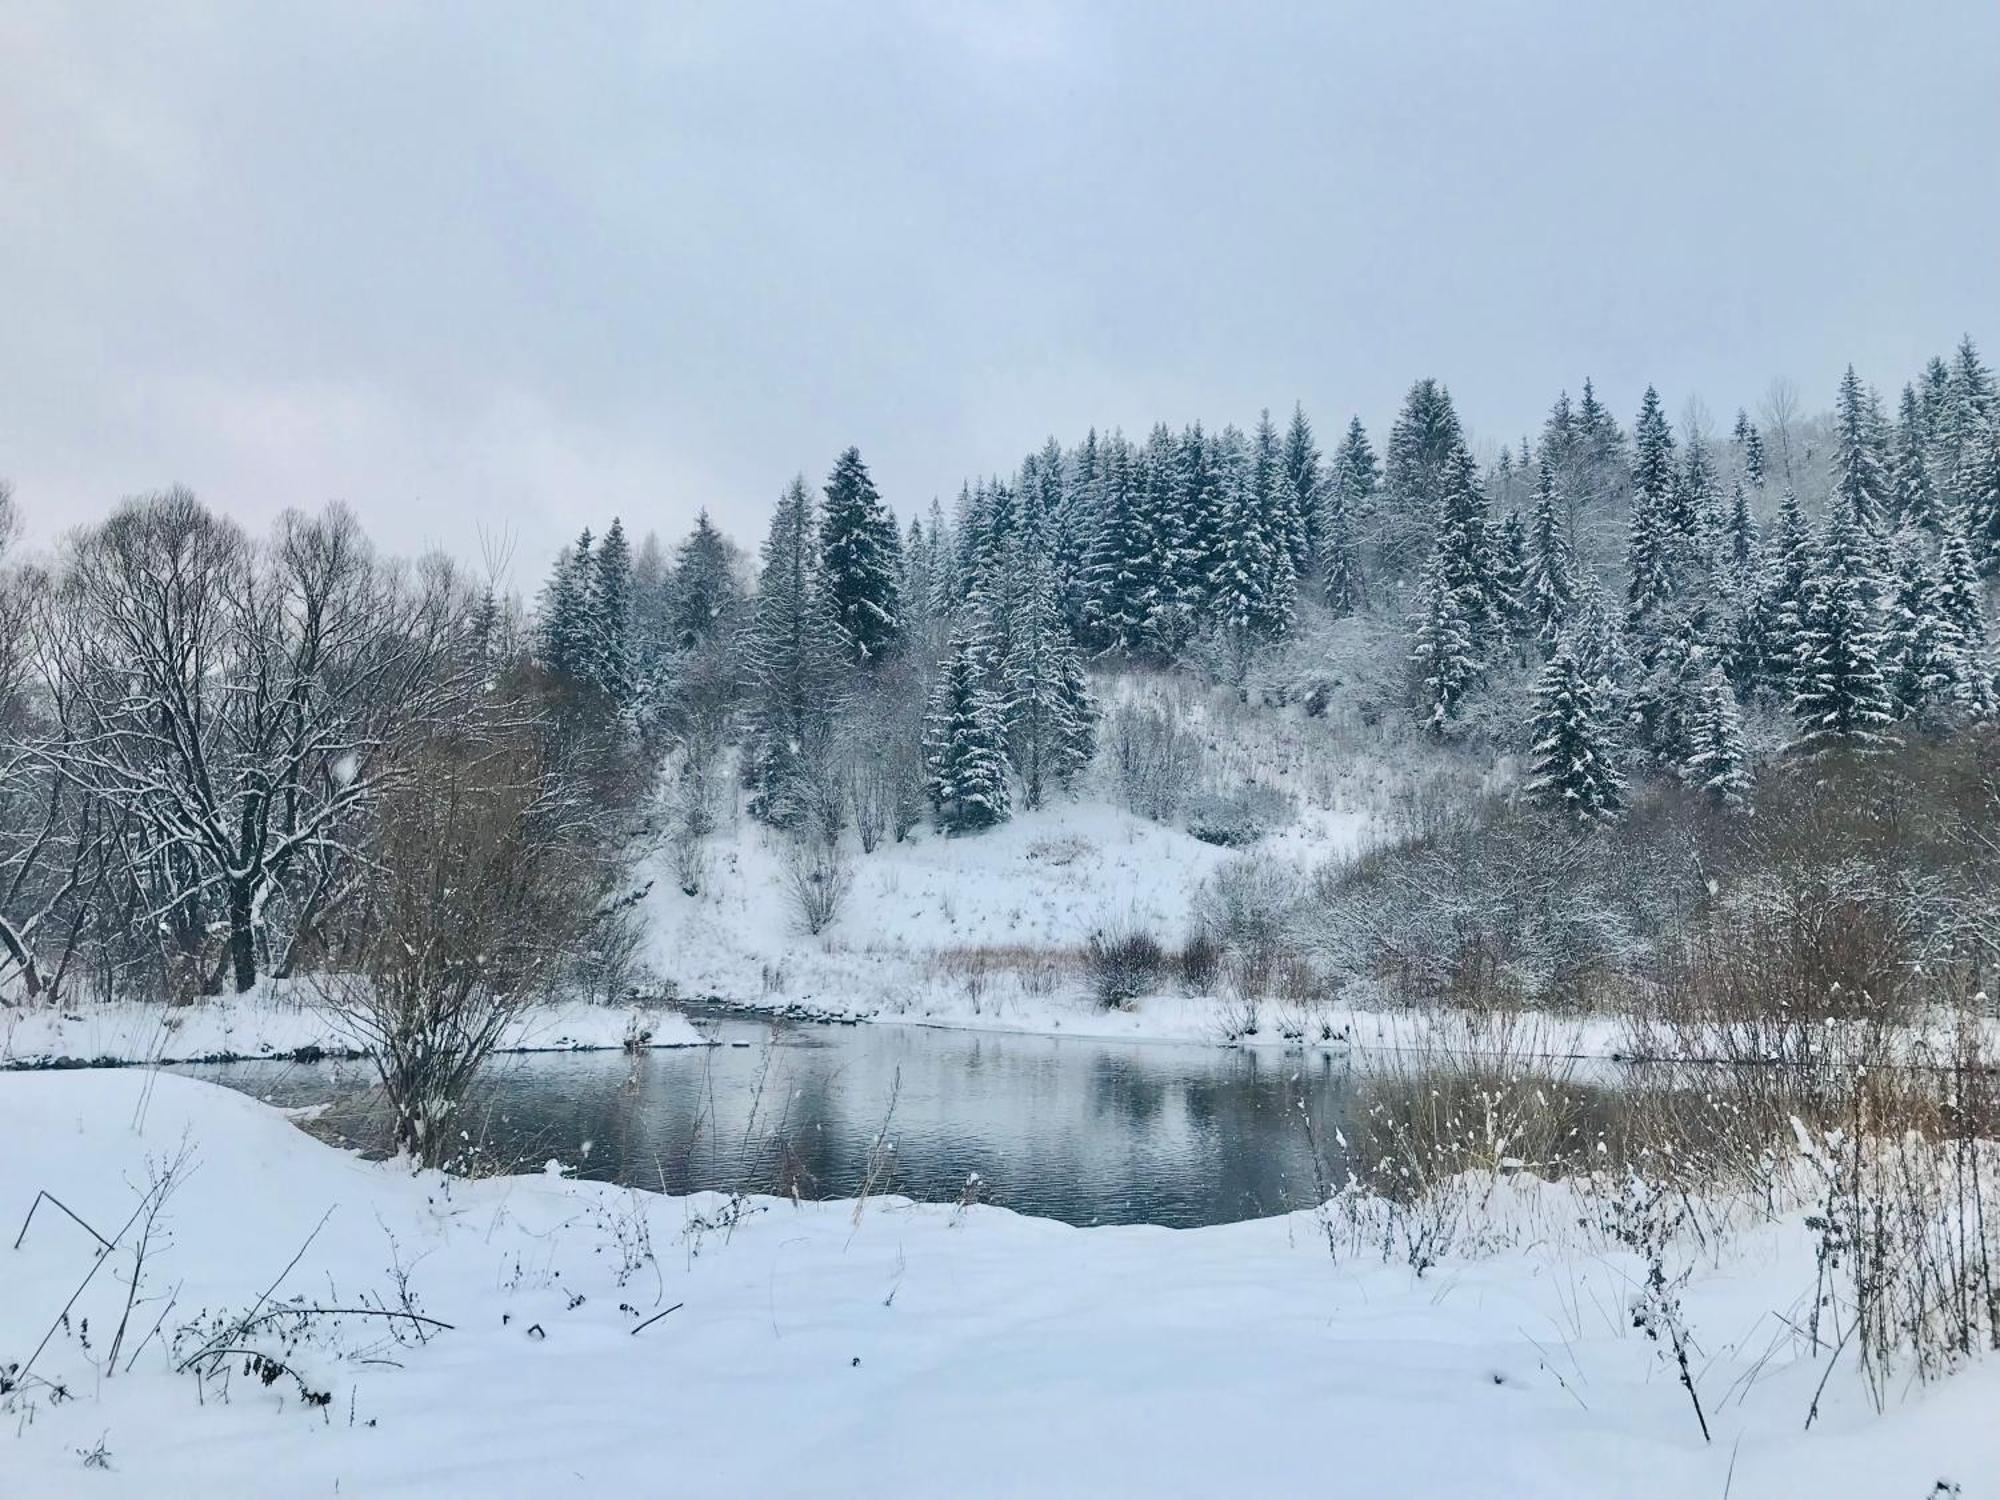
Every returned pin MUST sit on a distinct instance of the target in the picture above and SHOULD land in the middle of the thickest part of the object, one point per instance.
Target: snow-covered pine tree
(1511, 600)
(1749, 450)
(1350, 494)
(794, 657)
(965, 743)
(1464, 546)
(1964, 433)
(1572, 757)
(607, 650)
(1716, 764)
(1239, 600)
(1926, 661)
(1046, 706)
(1913, 498)
(1446, 655)
(1654, 542)
(861, 560)
(1551, 592)
(1303, 479)
(1203, 509)
(707, 593)
(1167, 596)
(1781, 602)
(1739, 540)
(1842, 699)
(1285, 528)
(1121, 575)
(1424, 443)
(563, 625)
(1860, 482)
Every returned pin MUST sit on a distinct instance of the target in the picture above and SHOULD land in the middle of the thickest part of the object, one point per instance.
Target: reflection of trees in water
(1076, 1129)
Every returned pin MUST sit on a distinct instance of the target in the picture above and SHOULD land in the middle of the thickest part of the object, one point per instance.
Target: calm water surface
(1084, 1131)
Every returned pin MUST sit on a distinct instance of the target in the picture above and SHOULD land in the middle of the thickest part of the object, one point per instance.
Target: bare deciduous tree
(485, 875)
(240, 707)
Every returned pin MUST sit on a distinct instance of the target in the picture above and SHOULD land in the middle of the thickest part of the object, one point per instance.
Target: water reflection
(1084, 1131)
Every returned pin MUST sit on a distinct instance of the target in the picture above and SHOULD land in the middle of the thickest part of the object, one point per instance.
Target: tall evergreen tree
(965, 743)
(1860, 483)
(564, 626)
(1045, 700)
(1424, 444)
(1304, 484)
(1913, 498)
(861, 560)
(1551, 591)
(1446, 655)
(793, 659)
(607, 653)
(1350, 492)
(1716, 763)
(1572, 761)
(1841, 699)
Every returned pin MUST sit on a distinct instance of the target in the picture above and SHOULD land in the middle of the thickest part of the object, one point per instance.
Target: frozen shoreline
(275, 1023)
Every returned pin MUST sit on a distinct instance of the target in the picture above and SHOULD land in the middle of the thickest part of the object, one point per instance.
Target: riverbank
(283, 1021)
(864, 1348)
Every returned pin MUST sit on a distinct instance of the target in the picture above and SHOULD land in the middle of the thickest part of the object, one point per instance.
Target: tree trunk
(242, 941)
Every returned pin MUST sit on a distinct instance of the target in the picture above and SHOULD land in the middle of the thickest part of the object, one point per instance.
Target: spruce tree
(861, 560)
(1350, 492)
(1654, 541)
(1860, 484)
(793, 659)
(607, 651)
(1424, 445)
(1750, 450)
(564, 626)
(1446, 655)
(1925, 658)
(1913, 498)
(965, 751)
(1841, 699)
(706, 592)
(1551, 591)
(1572, 765)
(1305, 496)
(1716, 764)
(1045, 700)
(1781, 602)
(1510, 587)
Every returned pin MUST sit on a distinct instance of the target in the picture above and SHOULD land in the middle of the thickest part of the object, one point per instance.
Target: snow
(882, 1349)
(278, 1020)
(938, 930)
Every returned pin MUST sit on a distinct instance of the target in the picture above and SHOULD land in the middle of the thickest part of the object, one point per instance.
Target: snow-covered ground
(278, 1021)
(885, 1349)
(983, 931)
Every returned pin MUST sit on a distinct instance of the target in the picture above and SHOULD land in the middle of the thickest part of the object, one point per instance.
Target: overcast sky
(533, 265)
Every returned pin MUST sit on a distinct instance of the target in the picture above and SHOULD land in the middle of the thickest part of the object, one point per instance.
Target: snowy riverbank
(277, 1022)
(827, 1350)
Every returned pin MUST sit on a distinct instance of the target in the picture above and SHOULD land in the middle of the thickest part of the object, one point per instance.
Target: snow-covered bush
(1124, 963)
(1239, 817)
(1154, 758)
(818, 877)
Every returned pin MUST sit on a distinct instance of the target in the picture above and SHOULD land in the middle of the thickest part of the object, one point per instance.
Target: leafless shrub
(487, 875)
(1124, 963)
(1155, 758)
(817, 880)
(1199, 962)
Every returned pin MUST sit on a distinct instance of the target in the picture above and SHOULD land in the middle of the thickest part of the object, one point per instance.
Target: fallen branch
(45, 1193)
(657, 1316)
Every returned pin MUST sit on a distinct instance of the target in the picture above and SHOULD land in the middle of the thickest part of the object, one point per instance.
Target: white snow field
(982, 931)
(876, 1350)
